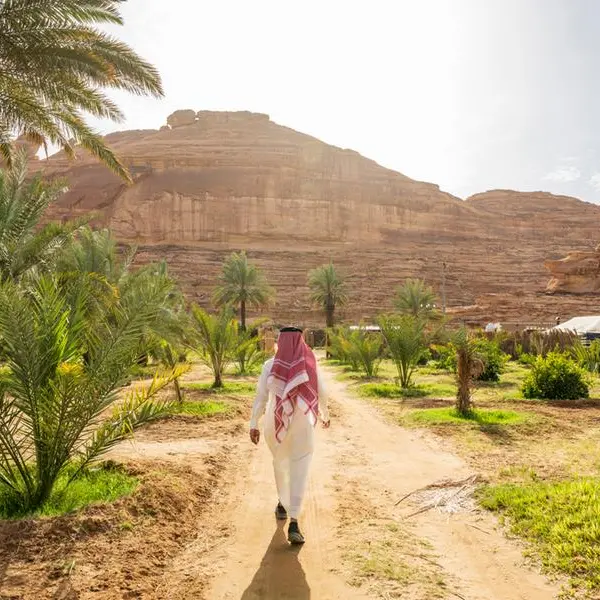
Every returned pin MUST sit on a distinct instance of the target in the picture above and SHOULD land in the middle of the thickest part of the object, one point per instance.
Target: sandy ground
(202, 525)
(362, 467)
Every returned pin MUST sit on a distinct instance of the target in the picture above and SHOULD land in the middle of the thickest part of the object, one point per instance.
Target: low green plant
(247, 354)
(201, 409)
(217, 338)
(106, 483)
(444, 357)
(561, 519)
(59, 412)
(440, 416)
(556, 377)
(587, 357)
(494, 360)
(406, 339)
(231, 388)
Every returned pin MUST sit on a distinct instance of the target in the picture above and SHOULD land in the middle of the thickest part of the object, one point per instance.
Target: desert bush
(217, 338)
(445, 357)
(406, 340)
(494, 360)
(556, 377)
(587, 357)
(360, 349)
(247, 355)
(53, 403)
(365, 350)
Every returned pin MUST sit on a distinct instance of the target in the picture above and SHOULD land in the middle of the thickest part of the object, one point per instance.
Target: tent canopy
(581, 325)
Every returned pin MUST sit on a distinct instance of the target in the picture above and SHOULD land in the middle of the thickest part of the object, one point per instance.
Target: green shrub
(445, 357)
(487, 351)
(587, 357)
(493, 358)
(526, 359)
(556, 377)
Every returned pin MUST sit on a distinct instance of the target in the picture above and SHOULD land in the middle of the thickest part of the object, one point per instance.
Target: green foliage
(406, 340)
(247, 355)
(328, 290)
(242, 284)
(441, 416)
(54, 404)
(231, 388)
(494, 360)
(556, 377)
(415, 298)
(205, 408)
(217, 337)
(561, 519)
(587, 357)
(487, 351)
(526, 359)
(27, 247)
(445, 358)
(104, 484)
(359, 348)
(55, 62)
(469, 366)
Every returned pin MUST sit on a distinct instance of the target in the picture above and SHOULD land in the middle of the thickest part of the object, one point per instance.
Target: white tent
(581, 325)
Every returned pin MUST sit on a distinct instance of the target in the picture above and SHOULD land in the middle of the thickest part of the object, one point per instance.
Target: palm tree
(53, 405)
(54, 63)
(415, 298)
(469, 366)
(406, 339)
(242, 284)
(217, 337)
(328, 290)
(25, 245)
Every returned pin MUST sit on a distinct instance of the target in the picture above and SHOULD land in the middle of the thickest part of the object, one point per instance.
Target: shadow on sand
(280, 575)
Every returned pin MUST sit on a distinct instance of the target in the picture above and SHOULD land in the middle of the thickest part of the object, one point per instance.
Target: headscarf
(293, 377)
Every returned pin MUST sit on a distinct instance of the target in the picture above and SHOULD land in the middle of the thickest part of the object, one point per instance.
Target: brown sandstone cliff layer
(214, 182)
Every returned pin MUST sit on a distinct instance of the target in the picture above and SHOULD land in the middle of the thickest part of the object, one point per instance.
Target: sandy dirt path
(383, 462)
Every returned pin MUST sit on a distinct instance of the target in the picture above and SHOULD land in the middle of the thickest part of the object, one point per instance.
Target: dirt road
(360, 542)
(363, 465)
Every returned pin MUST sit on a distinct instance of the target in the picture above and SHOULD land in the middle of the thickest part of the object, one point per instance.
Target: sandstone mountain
(208, 183)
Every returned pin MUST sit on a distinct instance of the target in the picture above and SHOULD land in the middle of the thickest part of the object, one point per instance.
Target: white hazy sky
(469, 94)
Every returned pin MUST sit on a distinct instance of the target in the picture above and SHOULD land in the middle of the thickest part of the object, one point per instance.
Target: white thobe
(291, 457)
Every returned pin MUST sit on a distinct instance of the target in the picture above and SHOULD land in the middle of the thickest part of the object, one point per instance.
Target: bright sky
(469, 94)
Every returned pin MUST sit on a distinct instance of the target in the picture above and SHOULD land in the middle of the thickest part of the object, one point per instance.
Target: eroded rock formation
(577, 273)
(214, 182)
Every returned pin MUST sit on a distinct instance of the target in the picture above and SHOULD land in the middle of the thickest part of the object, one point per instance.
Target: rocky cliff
(210, 182)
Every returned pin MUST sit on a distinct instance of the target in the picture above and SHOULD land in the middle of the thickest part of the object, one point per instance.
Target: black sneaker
(294, 535)
(280, 513)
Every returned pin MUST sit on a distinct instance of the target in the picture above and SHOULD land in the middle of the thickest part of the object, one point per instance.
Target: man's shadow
(280, 575)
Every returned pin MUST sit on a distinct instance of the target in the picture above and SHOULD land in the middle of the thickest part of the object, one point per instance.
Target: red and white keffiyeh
(293, 377)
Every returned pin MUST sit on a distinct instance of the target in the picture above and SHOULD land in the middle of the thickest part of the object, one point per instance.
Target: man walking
(290, 388)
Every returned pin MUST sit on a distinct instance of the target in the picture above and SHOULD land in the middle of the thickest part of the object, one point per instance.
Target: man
(291, 389)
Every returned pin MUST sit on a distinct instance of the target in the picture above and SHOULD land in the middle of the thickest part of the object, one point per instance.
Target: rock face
(577, 273)
(215, 182)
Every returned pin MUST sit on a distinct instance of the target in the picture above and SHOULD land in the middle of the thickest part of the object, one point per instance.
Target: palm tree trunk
(218, 383)
(243, 315)
(330, 315)
(178, 390)
(463, 373)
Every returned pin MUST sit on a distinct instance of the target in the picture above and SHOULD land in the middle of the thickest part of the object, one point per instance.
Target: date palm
(55, 63)
(25, 245)
(242, 285)
(469, 365)
(217, 338)
(406, 339)
(328, 290)
(53, 404)
(415, 298)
